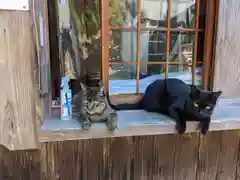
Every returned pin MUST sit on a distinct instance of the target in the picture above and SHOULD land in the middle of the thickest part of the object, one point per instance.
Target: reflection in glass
(183, 13)
(123, 47)
(184, 72)
(80, 30)
(156, 46)
(123, 13)
(122, 71)
(122, 78)
(154, 13)
(181, 47)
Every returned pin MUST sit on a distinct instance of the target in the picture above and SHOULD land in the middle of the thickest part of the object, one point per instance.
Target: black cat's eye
(196, 104)
(208, 107)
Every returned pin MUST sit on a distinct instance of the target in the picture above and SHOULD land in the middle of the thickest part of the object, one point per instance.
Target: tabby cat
(178, 100)
(92, 105)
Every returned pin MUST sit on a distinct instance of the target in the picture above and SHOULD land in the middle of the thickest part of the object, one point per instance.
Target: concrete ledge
(138, 123)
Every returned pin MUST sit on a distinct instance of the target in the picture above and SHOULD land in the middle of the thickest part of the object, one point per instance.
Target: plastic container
(66, 99)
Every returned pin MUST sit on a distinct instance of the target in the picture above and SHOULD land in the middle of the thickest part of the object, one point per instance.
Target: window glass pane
(183, 13)
(123, 13)
(184, 72)
(122, 78)
(153, 46)
(154, 13)
(181, 47)
(122, 46)
(154, 72)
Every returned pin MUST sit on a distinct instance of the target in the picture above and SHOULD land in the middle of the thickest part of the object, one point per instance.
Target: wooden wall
(227, 58)
(17, 59)
(167, 157)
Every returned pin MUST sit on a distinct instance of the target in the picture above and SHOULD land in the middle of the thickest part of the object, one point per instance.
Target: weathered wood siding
(165, 157)
(17, 112)
(227, 62)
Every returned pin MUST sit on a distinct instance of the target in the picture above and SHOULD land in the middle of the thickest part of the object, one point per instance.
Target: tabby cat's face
(92, 94)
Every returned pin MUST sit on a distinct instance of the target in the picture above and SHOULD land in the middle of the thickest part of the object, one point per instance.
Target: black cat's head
(204, 101)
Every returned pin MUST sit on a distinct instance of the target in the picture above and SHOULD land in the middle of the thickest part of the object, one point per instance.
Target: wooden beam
(227, 57)
(17, 104)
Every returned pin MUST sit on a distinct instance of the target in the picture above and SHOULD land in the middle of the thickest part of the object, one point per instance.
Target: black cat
(178, 100)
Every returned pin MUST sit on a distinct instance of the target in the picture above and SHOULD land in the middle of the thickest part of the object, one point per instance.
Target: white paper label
(22, 5)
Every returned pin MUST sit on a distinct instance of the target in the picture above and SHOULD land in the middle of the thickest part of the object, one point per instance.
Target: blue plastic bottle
(66, 99)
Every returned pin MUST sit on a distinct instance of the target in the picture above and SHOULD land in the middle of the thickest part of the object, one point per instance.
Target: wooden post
(17, 102)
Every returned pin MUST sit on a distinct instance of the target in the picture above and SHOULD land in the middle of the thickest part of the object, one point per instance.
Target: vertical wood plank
(105, 42)
(118, 155)
(153, 157)
(168, 35)
(64, 160)
(138, 53)
(196, 24)
(211, 12)
(227, 59)
(19, 165)
(17, 107)
(208, 156)
(237, 175)
(143, 151)
(185, 156)
(163, 157)
(218, 156)
(228, 157)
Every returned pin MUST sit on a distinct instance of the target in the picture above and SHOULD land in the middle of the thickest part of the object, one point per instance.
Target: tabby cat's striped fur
(92, 106)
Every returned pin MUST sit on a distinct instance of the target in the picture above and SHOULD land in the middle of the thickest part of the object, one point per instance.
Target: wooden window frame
(143, 128)
(210, 22)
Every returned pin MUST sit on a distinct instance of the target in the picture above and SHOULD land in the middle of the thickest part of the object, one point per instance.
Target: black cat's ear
(195, 92)
(216, 95)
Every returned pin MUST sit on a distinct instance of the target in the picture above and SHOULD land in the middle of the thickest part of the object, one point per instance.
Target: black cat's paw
(181, 128)
(204, 125)
(204, 128)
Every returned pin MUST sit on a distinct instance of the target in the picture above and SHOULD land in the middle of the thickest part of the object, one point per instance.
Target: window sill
(137, 123)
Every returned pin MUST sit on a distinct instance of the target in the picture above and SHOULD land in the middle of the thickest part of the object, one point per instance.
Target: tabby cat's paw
(181, 128)
(112, 122)
(112, 125)
(86, 125)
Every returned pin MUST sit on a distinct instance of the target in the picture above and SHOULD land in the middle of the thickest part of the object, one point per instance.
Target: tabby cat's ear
(102, 89)
(100, 83)
(83, 87)
(101, 86)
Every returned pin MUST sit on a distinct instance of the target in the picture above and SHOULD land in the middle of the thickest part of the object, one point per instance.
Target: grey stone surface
(226, 115)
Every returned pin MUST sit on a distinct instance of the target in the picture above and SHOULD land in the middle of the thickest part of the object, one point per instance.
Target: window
(127, 43)
(151, 39)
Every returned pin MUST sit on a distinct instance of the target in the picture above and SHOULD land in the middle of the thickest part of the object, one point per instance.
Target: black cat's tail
(124, 106)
